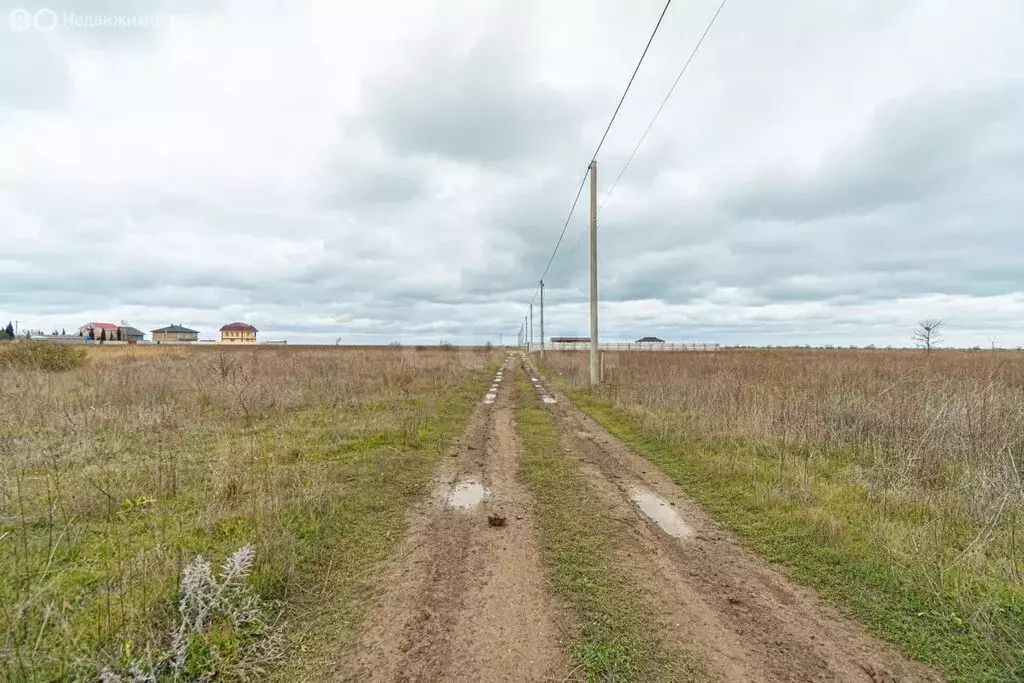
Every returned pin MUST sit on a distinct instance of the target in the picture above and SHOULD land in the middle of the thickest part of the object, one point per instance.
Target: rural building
(570, 340)
(175, 333)
(650, 340)
(127, 333)
(238, 333)
(96, 330)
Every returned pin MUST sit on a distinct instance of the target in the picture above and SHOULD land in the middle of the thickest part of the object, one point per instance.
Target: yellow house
(238, 333)
(175, 333)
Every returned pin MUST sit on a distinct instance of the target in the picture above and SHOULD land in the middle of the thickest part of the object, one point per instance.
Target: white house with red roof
(96, 330)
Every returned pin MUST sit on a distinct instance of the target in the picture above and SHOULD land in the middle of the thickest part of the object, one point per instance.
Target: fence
(626, 346)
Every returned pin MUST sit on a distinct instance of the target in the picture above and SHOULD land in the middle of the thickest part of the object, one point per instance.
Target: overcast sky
(826, 172)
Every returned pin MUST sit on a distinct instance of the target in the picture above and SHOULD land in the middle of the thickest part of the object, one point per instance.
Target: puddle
(663, 514)
(534, 380)
(489, 398)
(466, 495)
(549, 399)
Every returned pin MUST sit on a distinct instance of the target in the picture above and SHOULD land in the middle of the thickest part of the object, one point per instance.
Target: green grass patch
(615, 637)
(814, 516)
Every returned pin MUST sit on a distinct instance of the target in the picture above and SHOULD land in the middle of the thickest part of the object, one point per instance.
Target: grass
(615, 636)
(115, 474)
(889, 481)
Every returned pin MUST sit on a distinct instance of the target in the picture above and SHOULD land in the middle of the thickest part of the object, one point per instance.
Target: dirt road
(468, 601)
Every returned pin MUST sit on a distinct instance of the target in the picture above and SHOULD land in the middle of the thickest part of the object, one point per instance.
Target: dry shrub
(41, 355)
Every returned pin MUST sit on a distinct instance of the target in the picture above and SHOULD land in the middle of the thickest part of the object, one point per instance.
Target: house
(650, 340)
(238, 333)
(98, 331)
(129, 334)
(175, 333)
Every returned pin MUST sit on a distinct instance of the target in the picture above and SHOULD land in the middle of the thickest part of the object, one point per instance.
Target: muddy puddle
(466, 495)
(549, 399)
(659, 510)
(489, 398)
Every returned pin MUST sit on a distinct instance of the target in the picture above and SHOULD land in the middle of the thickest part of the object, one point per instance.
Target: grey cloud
(921, 145)
(479, 107)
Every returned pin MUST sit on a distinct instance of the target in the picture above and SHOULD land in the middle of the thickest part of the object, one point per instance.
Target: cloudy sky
(826, 172)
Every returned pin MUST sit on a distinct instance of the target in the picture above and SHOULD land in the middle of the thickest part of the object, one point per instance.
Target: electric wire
(657, 113)
(600, 144)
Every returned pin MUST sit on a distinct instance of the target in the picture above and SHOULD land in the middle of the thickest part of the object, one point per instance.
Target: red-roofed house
(238, 333)
(96, 330)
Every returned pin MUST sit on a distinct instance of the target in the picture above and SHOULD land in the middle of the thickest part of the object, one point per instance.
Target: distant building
(96, 330)
(570, 340)
(650, 340)
(238, 333)
(129, 334)
(175, 333)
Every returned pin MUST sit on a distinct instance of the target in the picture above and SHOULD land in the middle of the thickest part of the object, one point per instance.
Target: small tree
(103, 336)
(119, 334)
(9, 330)
(926, 334)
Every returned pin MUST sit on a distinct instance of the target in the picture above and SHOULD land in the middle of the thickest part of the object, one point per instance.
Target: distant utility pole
(594, 369)
(531, 328)
(541, 318)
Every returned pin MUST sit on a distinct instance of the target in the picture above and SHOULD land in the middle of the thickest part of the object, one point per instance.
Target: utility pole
(541, 318)
(526, 338)
(530, 349)
(594, 369)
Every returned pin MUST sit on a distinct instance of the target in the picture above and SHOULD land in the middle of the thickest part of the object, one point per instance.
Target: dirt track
(465, 601)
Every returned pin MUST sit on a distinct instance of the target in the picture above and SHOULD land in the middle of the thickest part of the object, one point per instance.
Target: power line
(650, 125)
(601, 143)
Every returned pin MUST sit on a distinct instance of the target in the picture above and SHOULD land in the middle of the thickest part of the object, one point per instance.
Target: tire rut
(465, 601)
(717, 599)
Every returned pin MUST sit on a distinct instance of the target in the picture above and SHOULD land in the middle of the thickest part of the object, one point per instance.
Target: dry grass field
(889, 480)
(287, 469)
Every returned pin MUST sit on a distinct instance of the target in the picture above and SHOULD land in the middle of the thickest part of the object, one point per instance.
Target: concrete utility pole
(531, 327)
(594, 369)
(541, 318)
(526, 337)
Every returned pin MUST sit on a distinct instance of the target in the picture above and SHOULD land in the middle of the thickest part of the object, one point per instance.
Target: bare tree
(926, 334)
